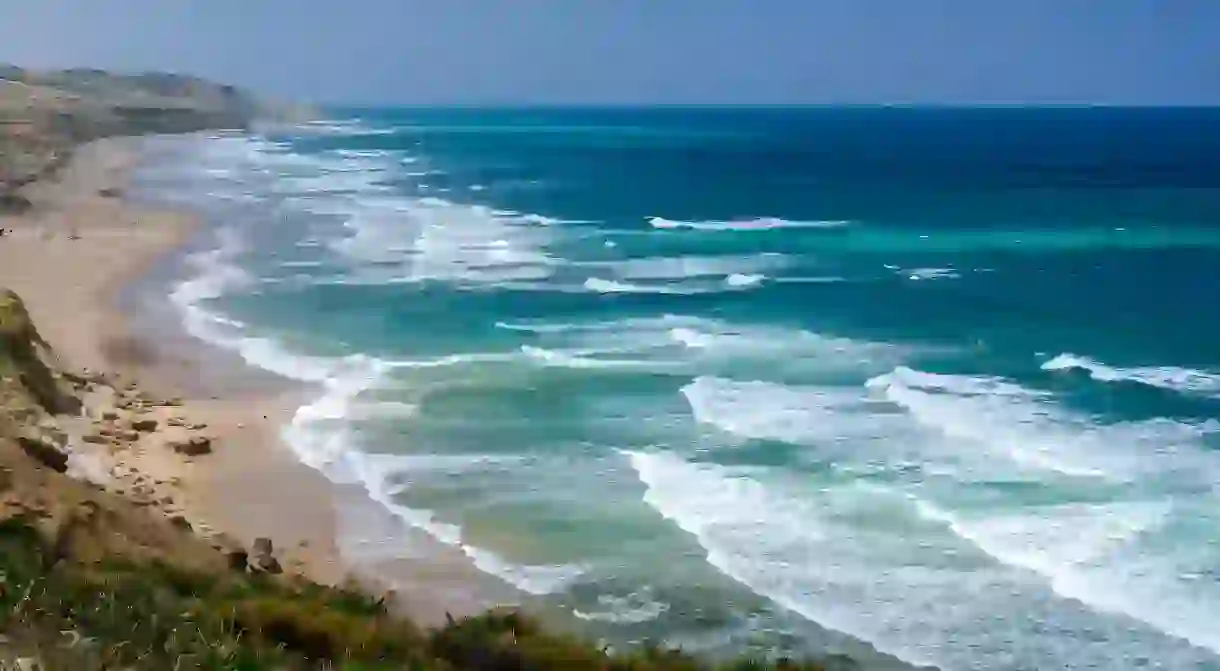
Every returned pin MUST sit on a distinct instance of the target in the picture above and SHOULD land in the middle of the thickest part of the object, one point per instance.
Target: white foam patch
(1027, 428)
(435, 239)
(697, 339)
(602, 286)
(764, 410)
(685, 267)
(917, 274)
(1182, 380)
(634, 608)
(740, 280)
(548, 357)
(761, 224)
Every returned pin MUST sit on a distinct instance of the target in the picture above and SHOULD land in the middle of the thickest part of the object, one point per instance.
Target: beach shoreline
(252, 485)
(70, 257)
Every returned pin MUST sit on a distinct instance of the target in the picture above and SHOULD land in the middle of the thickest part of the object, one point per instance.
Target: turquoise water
(944, 382)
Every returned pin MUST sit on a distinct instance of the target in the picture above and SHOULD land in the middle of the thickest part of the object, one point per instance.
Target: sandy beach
(69, 257)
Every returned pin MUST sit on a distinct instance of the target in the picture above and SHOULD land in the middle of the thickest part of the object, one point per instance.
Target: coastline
(252, 485)
(70, 257)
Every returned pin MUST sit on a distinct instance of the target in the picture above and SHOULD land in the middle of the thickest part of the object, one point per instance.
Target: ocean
(943, 382)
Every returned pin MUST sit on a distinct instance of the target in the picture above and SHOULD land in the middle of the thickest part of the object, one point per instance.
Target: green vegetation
(121, 614)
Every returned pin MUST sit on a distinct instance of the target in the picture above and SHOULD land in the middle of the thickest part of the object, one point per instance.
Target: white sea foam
(715, 340)
(1026, 427)
(747, 531)
(602, 286)
(635, 608)
(761, 224)
(765, 410)
(578, 360)
(688, 288)
(1093, 553)
(844, 557)
(742, 280)
(1183, 380)
(435, 239)
(687, 267)
(917, 274)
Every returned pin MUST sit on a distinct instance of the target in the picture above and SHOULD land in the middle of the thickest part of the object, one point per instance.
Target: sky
(1140, 52)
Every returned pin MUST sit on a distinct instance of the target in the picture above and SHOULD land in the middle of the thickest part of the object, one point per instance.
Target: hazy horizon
(682, 52)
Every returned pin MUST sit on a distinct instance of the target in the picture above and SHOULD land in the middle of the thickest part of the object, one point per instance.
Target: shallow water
(944, 382)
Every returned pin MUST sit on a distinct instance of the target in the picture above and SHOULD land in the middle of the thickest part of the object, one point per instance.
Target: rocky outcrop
(263, 558)
(44, 451)
(24, 371)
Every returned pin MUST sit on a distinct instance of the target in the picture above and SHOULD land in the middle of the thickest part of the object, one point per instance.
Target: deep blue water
(942, 381)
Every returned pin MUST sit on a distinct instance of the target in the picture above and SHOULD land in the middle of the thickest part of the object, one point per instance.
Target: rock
(194, 446)
(110, 415)
(144, 424)
(26, 358)
(264, 558)
(46, 452)
(268, 564)
(180, 522)
(49, 430)
(198, 426)
(95, 438)
(178, 422)
(128, 435)
(94, 377)
(263, 546)
(238, 559)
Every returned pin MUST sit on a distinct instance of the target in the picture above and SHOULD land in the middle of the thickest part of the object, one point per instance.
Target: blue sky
(647, 51)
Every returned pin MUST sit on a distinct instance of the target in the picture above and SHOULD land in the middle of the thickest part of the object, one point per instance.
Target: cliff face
(28, 384)
(43, 114)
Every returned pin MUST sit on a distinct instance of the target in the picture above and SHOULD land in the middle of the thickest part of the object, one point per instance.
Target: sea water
(945, 382)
